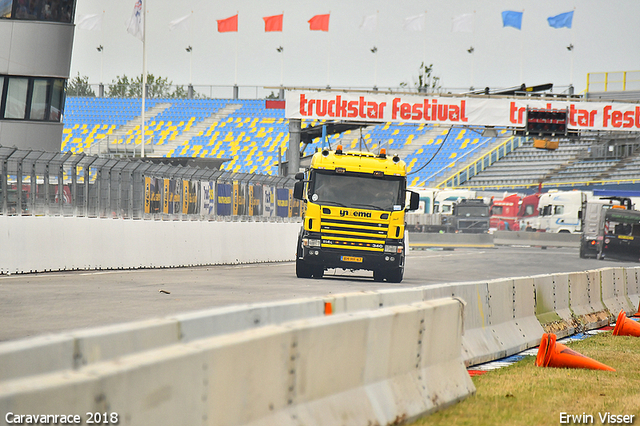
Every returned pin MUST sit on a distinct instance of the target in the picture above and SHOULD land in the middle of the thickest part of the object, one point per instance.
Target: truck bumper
(351, 259)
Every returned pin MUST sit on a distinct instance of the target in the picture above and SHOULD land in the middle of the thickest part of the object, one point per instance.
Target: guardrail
(49, 183)
(382, 356)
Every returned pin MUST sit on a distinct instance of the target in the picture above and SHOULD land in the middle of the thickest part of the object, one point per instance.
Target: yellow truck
(355, 214)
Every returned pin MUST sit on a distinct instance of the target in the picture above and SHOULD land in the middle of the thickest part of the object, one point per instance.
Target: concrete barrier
(614, 291)
(372, 367)
(585, 298)
(426, 240)
(633, 286)
(420, 240)
(479, 343)
(86, 243)
(552, 304)
(543, 239)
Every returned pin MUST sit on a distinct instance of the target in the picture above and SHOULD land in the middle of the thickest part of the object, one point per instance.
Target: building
(35, 61)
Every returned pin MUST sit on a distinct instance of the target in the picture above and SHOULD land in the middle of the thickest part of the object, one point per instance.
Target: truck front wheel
(303, 270)
(396, 275)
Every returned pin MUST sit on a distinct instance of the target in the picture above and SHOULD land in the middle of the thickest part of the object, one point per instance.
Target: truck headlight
(310, 242)
(392, 249)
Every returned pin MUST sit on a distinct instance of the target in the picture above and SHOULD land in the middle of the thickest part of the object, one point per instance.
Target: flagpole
(329, 57)
(144, 72)
(328, 60)
(572, 49)
(236, 65)
(375, 73)
(282, 55)
(521, 54)
(473, 57)
(424, 39)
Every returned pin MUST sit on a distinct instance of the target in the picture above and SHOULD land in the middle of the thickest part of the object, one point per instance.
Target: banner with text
(462, 111)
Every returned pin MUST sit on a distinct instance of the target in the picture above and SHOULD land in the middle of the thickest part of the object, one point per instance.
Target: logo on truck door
(344, 213)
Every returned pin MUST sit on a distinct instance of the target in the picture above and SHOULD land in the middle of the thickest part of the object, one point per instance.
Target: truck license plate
(351, 259)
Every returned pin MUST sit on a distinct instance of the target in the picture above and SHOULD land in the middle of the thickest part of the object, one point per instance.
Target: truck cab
(560, 211)
(355, 214)
(471, 216)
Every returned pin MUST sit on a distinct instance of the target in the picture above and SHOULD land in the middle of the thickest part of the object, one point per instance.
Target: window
(39, 99)
(57, 100)
(31, 98)
(496, 210)
(38, 10)
(16, 98)
(5, 8)
(558, 209)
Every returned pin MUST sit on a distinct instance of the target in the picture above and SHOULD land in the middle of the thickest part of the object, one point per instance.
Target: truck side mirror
(414, 202)
(298, 190)
(299, 176)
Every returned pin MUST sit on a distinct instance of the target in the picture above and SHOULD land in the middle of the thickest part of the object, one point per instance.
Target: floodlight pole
(144, 74)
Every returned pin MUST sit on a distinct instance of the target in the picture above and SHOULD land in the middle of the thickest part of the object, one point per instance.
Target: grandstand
(252, 137)
(578, 162)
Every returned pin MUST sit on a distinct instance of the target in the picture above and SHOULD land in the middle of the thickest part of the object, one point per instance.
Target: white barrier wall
(370, 367)
(37, 244)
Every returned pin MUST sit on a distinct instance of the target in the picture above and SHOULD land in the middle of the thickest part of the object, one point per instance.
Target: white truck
(559, 211)
(446, 198)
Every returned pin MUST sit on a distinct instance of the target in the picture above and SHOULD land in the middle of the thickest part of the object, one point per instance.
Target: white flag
(462, 23)
(180, 23)
(414, 23)
(369, 23)
(89, 22)
(135, 24)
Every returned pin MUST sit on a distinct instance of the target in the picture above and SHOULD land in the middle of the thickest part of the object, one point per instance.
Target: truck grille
(347, 234)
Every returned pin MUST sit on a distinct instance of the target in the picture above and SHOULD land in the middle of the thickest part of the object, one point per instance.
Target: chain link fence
(38, 183)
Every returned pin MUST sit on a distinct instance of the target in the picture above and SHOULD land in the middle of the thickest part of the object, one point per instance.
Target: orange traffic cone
(553, 354)
(625, 326)
(637, 314)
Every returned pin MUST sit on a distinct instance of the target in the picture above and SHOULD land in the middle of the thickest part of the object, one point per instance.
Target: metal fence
(41, 183)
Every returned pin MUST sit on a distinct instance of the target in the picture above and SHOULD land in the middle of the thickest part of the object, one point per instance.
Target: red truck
(511, 212)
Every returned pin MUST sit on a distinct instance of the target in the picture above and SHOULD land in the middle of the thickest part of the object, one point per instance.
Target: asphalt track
(36, 304)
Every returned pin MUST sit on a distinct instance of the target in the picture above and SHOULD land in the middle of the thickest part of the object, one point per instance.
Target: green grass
(523, 394)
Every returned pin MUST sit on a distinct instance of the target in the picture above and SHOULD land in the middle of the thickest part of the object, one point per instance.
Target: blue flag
(511, 18)
(562, 20)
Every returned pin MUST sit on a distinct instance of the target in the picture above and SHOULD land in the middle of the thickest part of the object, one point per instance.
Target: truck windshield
(357, 191)
(472, 211)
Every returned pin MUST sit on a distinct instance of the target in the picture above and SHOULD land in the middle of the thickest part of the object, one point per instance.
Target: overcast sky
(605, 36)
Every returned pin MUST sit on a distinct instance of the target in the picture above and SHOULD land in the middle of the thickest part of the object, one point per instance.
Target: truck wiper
(371, 206)
(331, 203)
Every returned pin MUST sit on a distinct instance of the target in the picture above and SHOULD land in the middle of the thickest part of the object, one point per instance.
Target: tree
(426, 80)
(79, 86)
(120, 88)
(157, 87)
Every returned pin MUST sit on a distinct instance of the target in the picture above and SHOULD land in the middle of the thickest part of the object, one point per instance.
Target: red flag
(228, 25)
(319, 23)
(273, 23)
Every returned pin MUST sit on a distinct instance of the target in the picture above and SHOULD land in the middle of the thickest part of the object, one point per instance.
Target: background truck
(559, 211)
(355, 214)
(512, 212)
(594, 221)
(469, 216)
